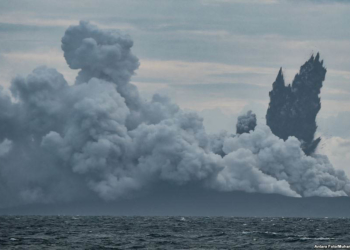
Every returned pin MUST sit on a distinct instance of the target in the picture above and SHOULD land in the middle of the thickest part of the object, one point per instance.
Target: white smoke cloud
(285, 161)
(98, 138)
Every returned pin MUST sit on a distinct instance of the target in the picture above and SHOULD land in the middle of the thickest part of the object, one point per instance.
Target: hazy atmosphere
(102, 101)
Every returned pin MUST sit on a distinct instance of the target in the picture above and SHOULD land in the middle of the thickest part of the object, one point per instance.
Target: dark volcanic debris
(293, 108)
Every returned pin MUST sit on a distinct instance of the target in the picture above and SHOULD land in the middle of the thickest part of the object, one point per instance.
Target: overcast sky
(218, 57)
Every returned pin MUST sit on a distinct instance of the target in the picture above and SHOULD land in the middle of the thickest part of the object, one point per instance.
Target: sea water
(108, 232)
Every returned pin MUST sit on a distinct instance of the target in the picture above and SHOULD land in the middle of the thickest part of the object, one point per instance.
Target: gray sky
(217, 57)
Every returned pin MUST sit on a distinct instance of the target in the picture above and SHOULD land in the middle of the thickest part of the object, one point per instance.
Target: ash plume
(246, 123)
(293, 109)
(98, 139)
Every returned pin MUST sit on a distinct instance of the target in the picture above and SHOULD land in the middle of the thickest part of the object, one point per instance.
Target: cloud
(328, 1)
(26, 19)
(285, 161)
(335, 125)
(182, 72)
(338, 151)
(246, 123)
(240, 1)
(98, 139)
(5, 147)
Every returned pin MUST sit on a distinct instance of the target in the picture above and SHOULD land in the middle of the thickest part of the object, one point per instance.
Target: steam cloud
(98, 138)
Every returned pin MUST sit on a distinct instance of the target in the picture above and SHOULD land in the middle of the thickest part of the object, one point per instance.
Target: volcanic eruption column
(98, 138)
(293, 108)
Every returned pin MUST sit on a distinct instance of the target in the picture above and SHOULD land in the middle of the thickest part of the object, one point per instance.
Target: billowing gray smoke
(293, 108)
(99, 139)
(246, 123)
